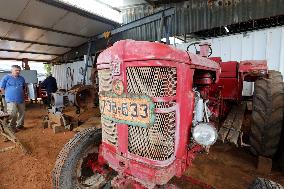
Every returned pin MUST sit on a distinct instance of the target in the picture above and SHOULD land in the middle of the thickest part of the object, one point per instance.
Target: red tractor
(160, 106)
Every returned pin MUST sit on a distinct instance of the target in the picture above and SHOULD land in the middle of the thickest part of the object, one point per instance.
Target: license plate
(136, 110)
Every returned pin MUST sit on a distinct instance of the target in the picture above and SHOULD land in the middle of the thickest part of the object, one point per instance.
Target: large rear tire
(267, 115)
(261, 183)
(71, 168)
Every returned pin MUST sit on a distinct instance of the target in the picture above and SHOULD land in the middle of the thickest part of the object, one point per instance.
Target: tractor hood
(130, 50)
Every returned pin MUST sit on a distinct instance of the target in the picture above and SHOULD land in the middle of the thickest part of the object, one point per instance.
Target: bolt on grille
(152, 81)
(156, 142)
(109, 131)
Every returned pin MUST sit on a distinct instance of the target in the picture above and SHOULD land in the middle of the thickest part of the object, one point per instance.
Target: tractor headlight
(204, 134)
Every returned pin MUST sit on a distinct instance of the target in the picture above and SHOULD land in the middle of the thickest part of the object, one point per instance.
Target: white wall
(257, 45)
(59, 72)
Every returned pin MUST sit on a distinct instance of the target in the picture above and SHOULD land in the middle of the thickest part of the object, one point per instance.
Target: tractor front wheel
(267, 115)
(75, 164)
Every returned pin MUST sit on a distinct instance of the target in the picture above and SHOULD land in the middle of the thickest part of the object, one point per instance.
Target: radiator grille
(164, 104)
(105, 80)
(156, 142)
(109, 131)
(152, 81)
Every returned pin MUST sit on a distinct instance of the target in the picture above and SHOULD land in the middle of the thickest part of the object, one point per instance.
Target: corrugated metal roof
(192, 15)
(32, 25)
(189, 17)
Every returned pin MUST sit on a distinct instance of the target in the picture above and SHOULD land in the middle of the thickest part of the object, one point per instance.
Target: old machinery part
(83, 97)
(66, 104)
(59, 100)
(201, 110)
(203, 78)
(203, 48)
(207, 111)
(79, 96)
(198, 108)
(204, 134)
(8, 134)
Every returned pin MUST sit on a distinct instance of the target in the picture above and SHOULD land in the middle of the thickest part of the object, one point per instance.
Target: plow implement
(8, 135)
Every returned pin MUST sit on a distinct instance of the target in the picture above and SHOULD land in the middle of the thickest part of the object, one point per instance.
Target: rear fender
(250, 70)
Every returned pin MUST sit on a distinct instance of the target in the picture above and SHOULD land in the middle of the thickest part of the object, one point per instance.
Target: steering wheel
(198, 51)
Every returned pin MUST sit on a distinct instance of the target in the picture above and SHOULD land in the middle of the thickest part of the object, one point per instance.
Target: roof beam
(30, 52)
(99, 41)
(142, 21)
(86, 14)
(42, 28)
(34, 42)
(20, 59)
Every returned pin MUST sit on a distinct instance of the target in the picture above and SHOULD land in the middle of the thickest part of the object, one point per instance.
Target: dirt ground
(225, 167)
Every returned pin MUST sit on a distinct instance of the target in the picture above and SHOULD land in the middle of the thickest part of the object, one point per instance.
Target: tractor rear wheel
(73, 165)
(261, 183)
(267, 115)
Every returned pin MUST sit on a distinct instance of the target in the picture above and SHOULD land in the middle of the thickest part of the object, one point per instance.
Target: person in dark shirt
(50, 86)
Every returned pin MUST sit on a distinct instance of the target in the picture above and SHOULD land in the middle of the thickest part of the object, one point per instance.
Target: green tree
(47, 69)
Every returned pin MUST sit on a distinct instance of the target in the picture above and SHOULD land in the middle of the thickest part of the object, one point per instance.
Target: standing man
(50, 86)
(13, 85)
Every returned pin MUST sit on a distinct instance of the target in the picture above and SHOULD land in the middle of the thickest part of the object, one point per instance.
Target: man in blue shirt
(12, 85)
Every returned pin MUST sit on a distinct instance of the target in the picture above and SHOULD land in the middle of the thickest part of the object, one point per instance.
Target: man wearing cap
(13, 85)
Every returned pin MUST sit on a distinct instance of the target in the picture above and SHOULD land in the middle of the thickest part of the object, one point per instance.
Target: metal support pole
(29, 52)
(34, 42)
(164, 24)
(87, 60)
(161, 27)
(167, 31)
